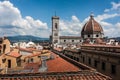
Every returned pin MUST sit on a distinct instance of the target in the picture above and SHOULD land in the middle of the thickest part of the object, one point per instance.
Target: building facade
(4, 45)
(105, 59)
(70, 40)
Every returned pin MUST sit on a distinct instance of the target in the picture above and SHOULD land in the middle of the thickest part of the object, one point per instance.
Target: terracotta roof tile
(58, 64)
(34, 66)
(78, 75)
(14, 54)
(91, 27)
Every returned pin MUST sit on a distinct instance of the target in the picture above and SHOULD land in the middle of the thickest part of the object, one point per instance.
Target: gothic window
(56, 26)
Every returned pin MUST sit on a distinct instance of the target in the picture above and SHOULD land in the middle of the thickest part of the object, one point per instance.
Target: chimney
(43, 67)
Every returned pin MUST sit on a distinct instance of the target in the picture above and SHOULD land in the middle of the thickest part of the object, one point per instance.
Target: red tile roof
(34, 66)
(91, 27)
(58, 64)
(14, 54)
(78, 75)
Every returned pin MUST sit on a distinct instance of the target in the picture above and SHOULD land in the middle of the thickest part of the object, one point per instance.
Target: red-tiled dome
(91, 27)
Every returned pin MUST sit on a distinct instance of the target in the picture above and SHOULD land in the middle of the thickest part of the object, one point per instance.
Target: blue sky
(33, 17)
(44, 9)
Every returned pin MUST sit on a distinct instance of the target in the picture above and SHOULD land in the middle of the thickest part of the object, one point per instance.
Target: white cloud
(72, 27)
(106, 10)
(13, 23)
(115, 6)
(75, 19)
(106, 16)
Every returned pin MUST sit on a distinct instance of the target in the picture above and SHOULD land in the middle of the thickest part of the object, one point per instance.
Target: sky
(33, 17)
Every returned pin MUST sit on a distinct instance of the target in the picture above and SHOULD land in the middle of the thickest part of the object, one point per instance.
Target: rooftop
(91, 27)
(58, 64)
(76, 75)
(14, 54)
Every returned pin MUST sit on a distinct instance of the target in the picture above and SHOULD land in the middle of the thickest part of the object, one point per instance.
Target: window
(83, 59)
(56, 26)
(9, 63)
(77, 59)
(64, 40)
(31, 59)
(4, 47)
(1, 40)
(103, 66)
(55, 41)
(72, 40)
(95, 63)
(80, 41)
(89, 61)
(97, 35)
(55, 34)
(113, 69)
(88, 35)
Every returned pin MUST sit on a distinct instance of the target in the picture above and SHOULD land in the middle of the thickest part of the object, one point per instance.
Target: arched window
(56, 26)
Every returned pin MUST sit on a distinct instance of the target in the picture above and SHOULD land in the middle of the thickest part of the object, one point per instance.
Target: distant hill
(117, 39)
(26, 38)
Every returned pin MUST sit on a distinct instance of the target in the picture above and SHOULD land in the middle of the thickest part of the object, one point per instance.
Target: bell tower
(55, 30)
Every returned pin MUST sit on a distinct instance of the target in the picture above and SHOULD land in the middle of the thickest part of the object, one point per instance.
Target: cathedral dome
(91, 27)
